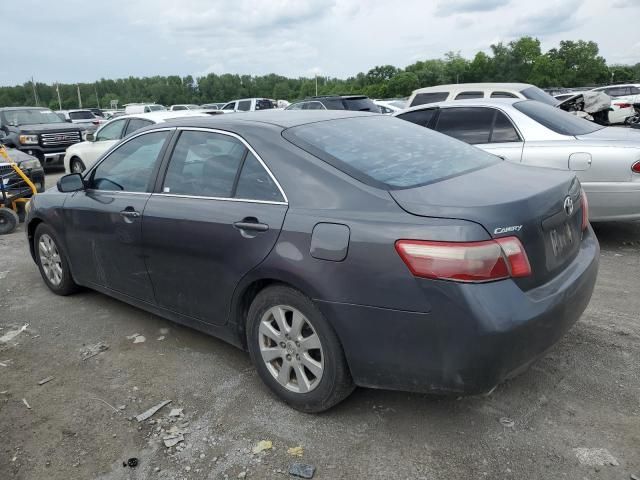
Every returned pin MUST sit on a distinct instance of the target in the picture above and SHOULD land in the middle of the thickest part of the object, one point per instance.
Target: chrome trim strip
(226, 199)
(117, 191)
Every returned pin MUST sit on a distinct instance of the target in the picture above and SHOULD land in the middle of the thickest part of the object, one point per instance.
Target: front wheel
(52, 262)
(76, 165)
(296, 351)
(8, 220)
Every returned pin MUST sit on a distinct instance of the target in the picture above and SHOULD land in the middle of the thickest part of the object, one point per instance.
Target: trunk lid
(510, 200)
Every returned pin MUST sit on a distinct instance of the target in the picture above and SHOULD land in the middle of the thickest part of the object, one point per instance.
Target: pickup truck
(38, 132)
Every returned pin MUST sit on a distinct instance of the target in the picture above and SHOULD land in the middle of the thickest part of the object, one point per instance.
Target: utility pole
(79, 97)
(316, 84)
(97, 99)
(35, 93)
(58, 92)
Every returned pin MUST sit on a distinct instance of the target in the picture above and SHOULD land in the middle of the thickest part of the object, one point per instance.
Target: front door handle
(252, 224)
(130, 213)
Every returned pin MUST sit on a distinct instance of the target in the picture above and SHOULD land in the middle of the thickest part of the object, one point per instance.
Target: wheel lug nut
(282, 345)
(297, 344)
(288, 357)
(297, 357)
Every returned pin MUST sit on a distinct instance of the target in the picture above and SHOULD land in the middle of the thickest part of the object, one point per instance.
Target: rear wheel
(76, 165)
(295, 350)
(52, 262)
(8, 220)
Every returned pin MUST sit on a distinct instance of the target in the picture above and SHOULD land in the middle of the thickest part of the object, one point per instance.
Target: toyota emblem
(568, 206)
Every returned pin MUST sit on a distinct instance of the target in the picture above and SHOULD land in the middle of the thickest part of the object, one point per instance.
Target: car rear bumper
(613, 201)
(474, 337)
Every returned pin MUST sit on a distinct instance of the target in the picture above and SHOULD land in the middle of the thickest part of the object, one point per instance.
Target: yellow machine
(15, 189)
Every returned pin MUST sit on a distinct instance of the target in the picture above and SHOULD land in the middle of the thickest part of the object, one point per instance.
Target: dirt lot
(583, 396)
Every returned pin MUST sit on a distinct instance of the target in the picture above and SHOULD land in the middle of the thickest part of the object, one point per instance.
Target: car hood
(18, 156)
(48, 127)
(613, 133)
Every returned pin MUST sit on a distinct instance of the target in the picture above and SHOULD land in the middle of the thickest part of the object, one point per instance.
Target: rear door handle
(252, 224)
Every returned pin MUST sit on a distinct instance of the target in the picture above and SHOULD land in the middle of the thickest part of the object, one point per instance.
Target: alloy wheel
(291, 349)
(50, 259)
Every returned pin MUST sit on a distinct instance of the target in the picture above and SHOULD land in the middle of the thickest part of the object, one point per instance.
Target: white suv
(248, 105)
(466, 91)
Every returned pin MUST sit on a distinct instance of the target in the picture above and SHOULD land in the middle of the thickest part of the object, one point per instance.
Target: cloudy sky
(80, 41)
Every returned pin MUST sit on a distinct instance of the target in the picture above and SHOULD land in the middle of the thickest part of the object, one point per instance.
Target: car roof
(279, 118)
(476, 102)
(23, 108)
(321, 97)
(618, 85)
(163, 115)
(479, 86)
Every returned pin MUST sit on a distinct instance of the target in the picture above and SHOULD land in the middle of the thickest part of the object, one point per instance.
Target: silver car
(605, 159)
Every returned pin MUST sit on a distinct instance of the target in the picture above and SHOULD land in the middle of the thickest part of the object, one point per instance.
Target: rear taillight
(465, 261)
(623, 105)
(585, 210)
(635, 168)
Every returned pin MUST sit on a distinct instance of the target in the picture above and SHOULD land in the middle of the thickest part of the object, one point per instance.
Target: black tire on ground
(76, 165)
(334, 385)
(66, 286)
(8, 220)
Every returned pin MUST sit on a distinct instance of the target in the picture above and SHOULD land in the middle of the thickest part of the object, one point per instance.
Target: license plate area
(561, 242)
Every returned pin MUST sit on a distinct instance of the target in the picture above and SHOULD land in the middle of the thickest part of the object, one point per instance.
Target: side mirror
(90, 137)
(70, 183)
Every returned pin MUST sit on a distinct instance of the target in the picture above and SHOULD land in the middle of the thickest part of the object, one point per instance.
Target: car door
(486, 128)
(105, 138)
(103, 223)
(216, 214)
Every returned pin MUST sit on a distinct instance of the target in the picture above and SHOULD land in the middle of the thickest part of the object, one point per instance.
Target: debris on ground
(176, 412)
(595, 457)
(163, 331)
(151, 411)
(132, 462)
(3, 274)
(507, 422)
(302, 470)
(6, 363)
(11, 334)
(24, 400)
(160, 338)
(137, 338)
(175, 436)
(45, 380)
(635, 477)
(262, 446)
(242, 474)
(94, 350)
(296, 451)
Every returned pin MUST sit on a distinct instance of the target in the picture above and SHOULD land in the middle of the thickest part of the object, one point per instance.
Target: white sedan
(605, 159)
(83, 155)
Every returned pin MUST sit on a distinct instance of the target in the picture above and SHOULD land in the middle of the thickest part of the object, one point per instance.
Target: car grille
(59, 139)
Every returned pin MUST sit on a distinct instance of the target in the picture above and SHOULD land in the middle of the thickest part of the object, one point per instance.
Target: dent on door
(579, 161)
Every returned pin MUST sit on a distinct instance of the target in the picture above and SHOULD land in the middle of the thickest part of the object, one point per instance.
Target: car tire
(315, 376)
(52, 262)
(9, 220)
(76, 165)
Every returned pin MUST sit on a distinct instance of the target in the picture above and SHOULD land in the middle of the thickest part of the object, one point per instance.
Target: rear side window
(333, 104)
(111, 131)
(387, 152)
(204, 164)
(244, 105)
(255, 183)
(85, 115)
(431, 97)
(503, 130)
(634, 90)
(136, 124)
(360, 105)
(313, 106)
(419, 117)
(469, 95)
(503, 95)
(469, 124)
(263, 104)
(178, 107)
(618, 91)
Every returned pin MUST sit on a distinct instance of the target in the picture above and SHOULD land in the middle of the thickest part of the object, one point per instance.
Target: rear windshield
(388, 152)
(83, 115)
(534, 93)
(360, 105)
(555, 119)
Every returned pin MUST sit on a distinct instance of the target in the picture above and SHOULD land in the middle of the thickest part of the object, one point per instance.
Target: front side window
(313, 106)
(430, 97)
(296, 106)
(617, 91)
(178, 107)
(204, 164)
(229, 106)
(136, 124)
(130, 167)
(469, 95)
(111, 131)
(244, 105)
(419, 117)
(469, 124)
(387, 152)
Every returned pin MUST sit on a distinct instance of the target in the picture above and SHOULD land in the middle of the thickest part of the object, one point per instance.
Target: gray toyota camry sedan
(338, 248)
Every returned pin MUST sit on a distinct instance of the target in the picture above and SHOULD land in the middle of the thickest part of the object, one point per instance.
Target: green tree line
(571, 64)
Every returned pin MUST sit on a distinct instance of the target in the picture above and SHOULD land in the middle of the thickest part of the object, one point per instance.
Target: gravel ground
(574, 415)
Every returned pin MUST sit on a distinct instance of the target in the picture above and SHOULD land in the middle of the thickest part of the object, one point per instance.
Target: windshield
(399, 103)
(29, 117)
(388, 152)
(155, 108)
(534, 93)
(81, 115)
(555, 119)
